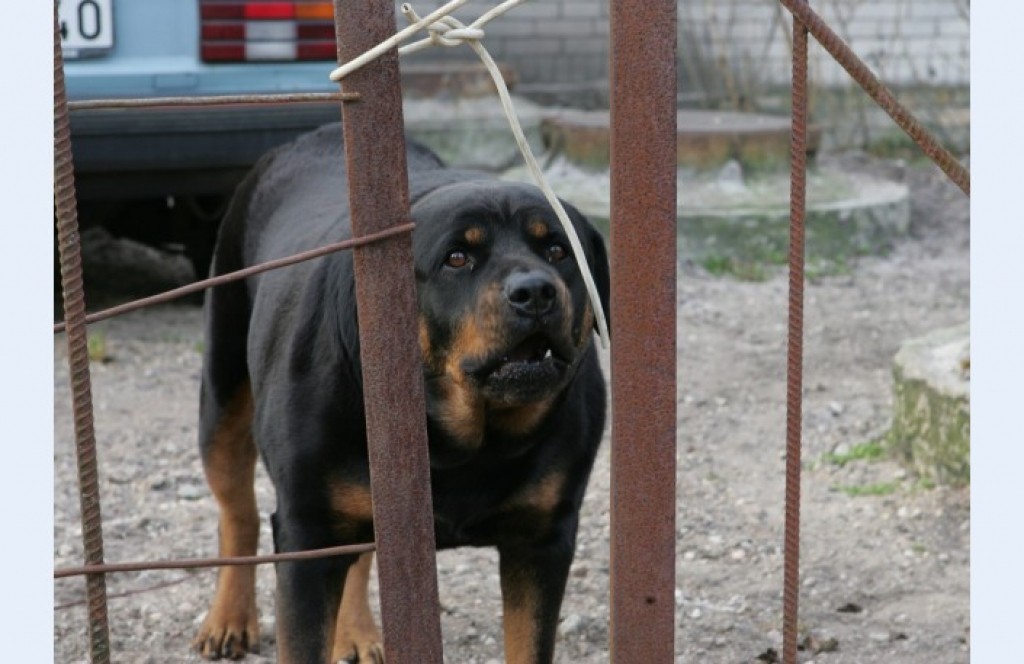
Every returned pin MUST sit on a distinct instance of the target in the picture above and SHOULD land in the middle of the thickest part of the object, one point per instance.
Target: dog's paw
(363, 646)
(228, 635)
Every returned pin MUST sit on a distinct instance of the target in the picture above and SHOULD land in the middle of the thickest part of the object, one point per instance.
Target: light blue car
(177, 166)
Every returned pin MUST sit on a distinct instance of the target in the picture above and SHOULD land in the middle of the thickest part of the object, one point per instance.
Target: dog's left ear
(598, 259)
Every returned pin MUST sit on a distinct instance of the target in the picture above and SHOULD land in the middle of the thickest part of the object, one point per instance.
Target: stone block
(932, 405)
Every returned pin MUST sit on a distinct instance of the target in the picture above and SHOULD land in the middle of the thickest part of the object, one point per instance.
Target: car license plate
(86, 27)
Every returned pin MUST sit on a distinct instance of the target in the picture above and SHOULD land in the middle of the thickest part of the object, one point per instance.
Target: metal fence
(643, 306)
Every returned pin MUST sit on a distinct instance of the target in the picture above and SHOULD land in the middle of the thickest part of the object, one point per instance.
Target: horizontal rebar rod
(220, 280)
(218, 100)
(193, 563)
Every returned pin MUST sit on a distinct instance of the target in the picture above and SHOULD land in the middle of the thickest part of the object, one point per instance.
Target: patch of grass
(866, 451)
(876, 489)
(924, 484)
(97, 347)
(816, 270)
(717, 265)
(720, 266)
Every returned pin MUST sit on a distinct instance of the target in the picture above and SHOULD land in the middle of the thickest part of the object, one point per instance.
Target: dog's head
(504, 313)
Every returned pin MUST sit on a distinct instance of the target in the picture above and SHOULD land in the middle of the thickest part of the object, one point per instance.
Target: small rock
(835, 408)
(570, 625)
(738, 554)
(696, 613)
(190, 492)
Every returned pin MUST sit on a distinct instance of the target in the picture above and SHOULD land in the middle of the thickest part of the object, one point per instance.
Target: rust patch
(537, 228)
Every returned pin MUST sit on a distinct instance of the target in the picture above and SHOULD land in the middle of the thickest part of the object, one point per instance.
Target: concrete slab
(725, 216)
(705, 140)
(472, 132)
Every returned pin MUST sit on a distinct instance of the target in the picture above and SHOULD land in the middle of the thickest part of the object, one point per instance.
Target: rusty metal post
(392, 368)
(66, 209)
(794, 376)
(643, 314)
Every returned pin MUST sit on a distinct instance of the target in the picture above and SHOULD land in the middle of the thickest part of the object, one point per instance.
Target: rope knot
(449, 31)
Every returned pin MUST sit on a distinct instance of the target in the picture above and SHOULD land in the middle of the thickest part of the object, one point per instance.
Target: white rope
(446, 30)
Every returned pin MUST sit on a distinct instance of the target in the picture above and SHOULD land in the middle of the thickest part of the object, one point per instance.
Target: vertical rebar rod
(643, 306)
(65, 207)
(389, 347)
(794, 377)
(884, 97)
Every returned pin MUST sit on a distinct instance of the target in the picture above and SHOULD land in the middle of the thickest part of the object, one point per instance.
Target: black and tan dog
(515, 396)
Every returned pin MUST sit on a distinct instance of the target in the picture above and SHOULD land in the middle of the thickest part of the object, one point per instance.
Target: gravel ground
(884, 575)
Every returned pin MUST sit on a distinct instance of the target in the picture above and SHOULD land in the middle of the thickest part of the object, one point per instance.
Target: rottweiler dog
(515, 396)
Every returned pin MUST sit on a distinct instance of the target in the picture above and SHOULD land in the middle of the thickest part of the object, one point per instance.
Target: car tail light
(266, 30)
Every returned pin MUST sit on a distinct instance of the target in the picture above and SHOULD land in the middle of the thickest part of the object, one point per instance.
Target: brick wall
(739, 43)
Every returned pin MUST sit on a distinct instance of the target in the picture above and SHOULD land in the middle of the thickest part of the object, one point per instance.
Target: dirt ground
(885, 557)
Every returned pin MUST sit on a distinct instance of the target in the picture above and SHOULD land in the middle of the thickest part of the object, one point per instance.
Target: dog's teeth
(547, 355)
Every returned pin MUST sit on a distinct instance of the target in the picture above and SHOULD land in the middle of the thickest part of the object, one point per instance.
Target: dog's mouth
(530, 370)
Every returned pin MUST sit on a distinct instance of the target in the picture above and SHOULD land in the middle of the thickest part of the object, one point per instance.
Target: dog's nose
(530, 293)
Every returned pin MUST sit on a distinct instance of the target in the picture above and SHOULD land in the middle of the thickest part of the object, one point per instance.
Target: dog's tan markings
(586, 326)
(352, 502)
(426, 348)
(537, 228)
(356, 637)
(462, 411)
(520, 597)
(474, 236)
(543, 496)
(520, 420)
(231, 627)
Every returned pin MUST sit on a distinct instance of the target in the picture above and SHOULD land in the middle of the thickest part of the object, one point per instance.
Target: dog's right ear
(600, 270)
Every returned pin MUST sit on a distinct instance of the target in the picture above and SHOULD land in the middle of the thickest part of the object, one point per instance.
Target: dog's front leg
(533, 578)
(308, 594)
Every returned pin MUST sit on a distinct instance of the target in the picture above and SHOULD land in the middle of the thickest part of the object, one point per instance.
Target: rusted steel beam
(643, 315)
(218, 100)
(66, 209)
(860, 72)
(199, 563)
(392, 369)
(219, 280)
(794, 375)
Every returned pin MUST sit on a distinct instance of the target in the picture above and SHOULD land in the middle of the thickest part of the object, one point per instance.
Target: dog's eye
(555, 252)
(457, 259)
